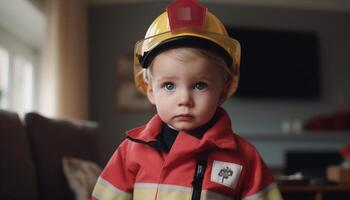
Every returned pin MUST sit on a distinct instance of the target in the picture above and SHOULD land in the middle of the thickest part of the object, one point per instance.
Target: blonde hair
(186, 54)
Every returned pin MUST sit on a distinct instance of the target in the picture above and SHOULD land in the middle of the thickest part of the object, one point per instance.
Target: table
(318, 191)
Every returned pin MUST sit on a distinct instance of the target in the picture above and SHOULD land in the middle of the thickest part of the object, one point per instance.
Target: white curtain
(64, 71)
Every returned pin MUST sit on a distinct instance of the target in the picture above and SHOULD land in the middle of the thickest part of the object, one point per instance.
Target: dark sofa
(31, 152)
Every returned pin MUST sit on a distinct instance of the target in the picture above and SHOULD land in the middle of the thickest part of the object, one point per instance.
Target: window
(4, 74)
(22, 85)
(22, 29)
(16, 82)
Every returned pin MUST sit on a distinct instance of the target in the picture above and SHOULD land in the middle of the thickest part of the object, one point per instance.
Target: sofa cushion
(81, 175)
(53, 139)
(17, 172)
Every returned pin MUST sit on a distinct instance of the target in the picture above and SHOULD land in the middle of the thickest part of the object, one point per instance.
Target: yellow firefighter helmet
(186, 23)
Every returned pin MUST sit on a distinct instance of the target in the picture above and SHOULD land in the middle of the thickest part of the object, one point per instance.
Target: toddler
(187, 65)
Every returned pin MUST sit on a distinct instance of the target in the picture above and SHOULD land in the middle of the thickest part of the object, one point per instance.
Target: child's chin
(184, 127)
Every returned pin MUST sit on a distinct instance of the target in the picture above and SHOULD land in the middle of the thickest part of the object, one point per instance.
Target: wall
(115, 28)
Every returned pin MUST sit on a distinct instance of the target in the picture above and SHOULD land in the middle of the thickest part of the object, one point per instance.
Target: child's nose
(185, 98)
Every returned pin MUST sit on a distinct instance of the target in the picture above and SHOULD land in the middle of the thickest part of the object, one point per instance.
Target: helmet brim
(185, 41)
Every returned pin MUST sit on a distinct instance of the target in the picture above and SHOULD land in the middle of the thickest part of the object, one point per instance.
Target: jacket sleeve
(116, 179)
(260, 183)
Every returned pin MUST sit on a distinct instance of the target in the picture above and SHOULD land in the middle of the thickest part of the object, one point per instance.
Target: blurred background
(73, 59)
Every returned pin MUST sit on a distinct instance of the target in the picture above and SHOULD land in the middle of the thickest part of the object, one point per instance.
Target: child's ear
(223, 96)
(150, 94)
(222, 99)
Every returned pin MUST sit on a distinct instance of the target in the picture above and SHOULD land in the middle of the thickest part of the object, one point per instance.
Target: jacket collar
(219, 135)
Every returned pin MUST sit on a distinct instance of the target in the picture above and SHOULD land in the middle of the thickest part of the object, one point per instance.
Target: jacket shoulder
(245, 146)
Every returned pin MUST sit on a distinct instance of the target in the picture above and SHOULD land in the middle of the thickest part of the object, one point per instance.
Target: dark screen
(278, 64)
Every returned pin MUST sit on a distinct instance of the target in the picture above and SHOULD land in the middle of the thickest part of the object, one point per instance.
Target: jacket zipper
(198, 179)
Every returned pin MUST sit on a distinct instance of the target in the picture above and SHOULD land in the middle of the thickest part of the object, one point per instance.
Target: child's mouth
(184, 117)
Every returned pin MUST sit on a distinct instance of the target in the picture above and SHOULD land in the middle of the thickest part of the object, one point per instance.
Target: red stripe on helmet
(186, 14)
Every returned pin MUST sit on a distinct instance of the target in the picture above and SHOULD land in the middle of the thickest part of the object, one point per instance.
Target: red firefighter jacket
(234, 169)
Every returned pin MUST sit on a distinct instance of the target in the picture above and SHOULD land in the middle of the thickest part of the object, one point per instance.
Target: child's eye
(200, 86)
(169, 86)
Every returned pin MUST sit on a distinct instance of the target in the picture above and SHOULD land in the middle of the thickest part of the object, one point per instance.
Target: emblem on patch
(225, 173)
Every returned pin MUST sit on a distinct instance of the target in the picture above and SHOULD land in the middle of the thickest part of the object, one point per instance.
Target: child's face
(186, 94)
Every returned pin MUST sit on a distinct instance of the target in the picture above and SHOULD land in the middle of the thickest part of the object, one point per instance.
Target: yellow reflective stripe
(148, 191)
(104, 190)
(145, 191)
(174, 195)
(209, 195)
(271, 192)
(174, 192)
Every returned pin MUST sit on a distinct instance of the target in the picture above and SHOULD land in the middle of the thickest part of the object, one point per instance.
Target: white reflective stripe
(112, 188)
(103, 188)
(262, 193)
(162, 187)
(146, 185)
(175, 188)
